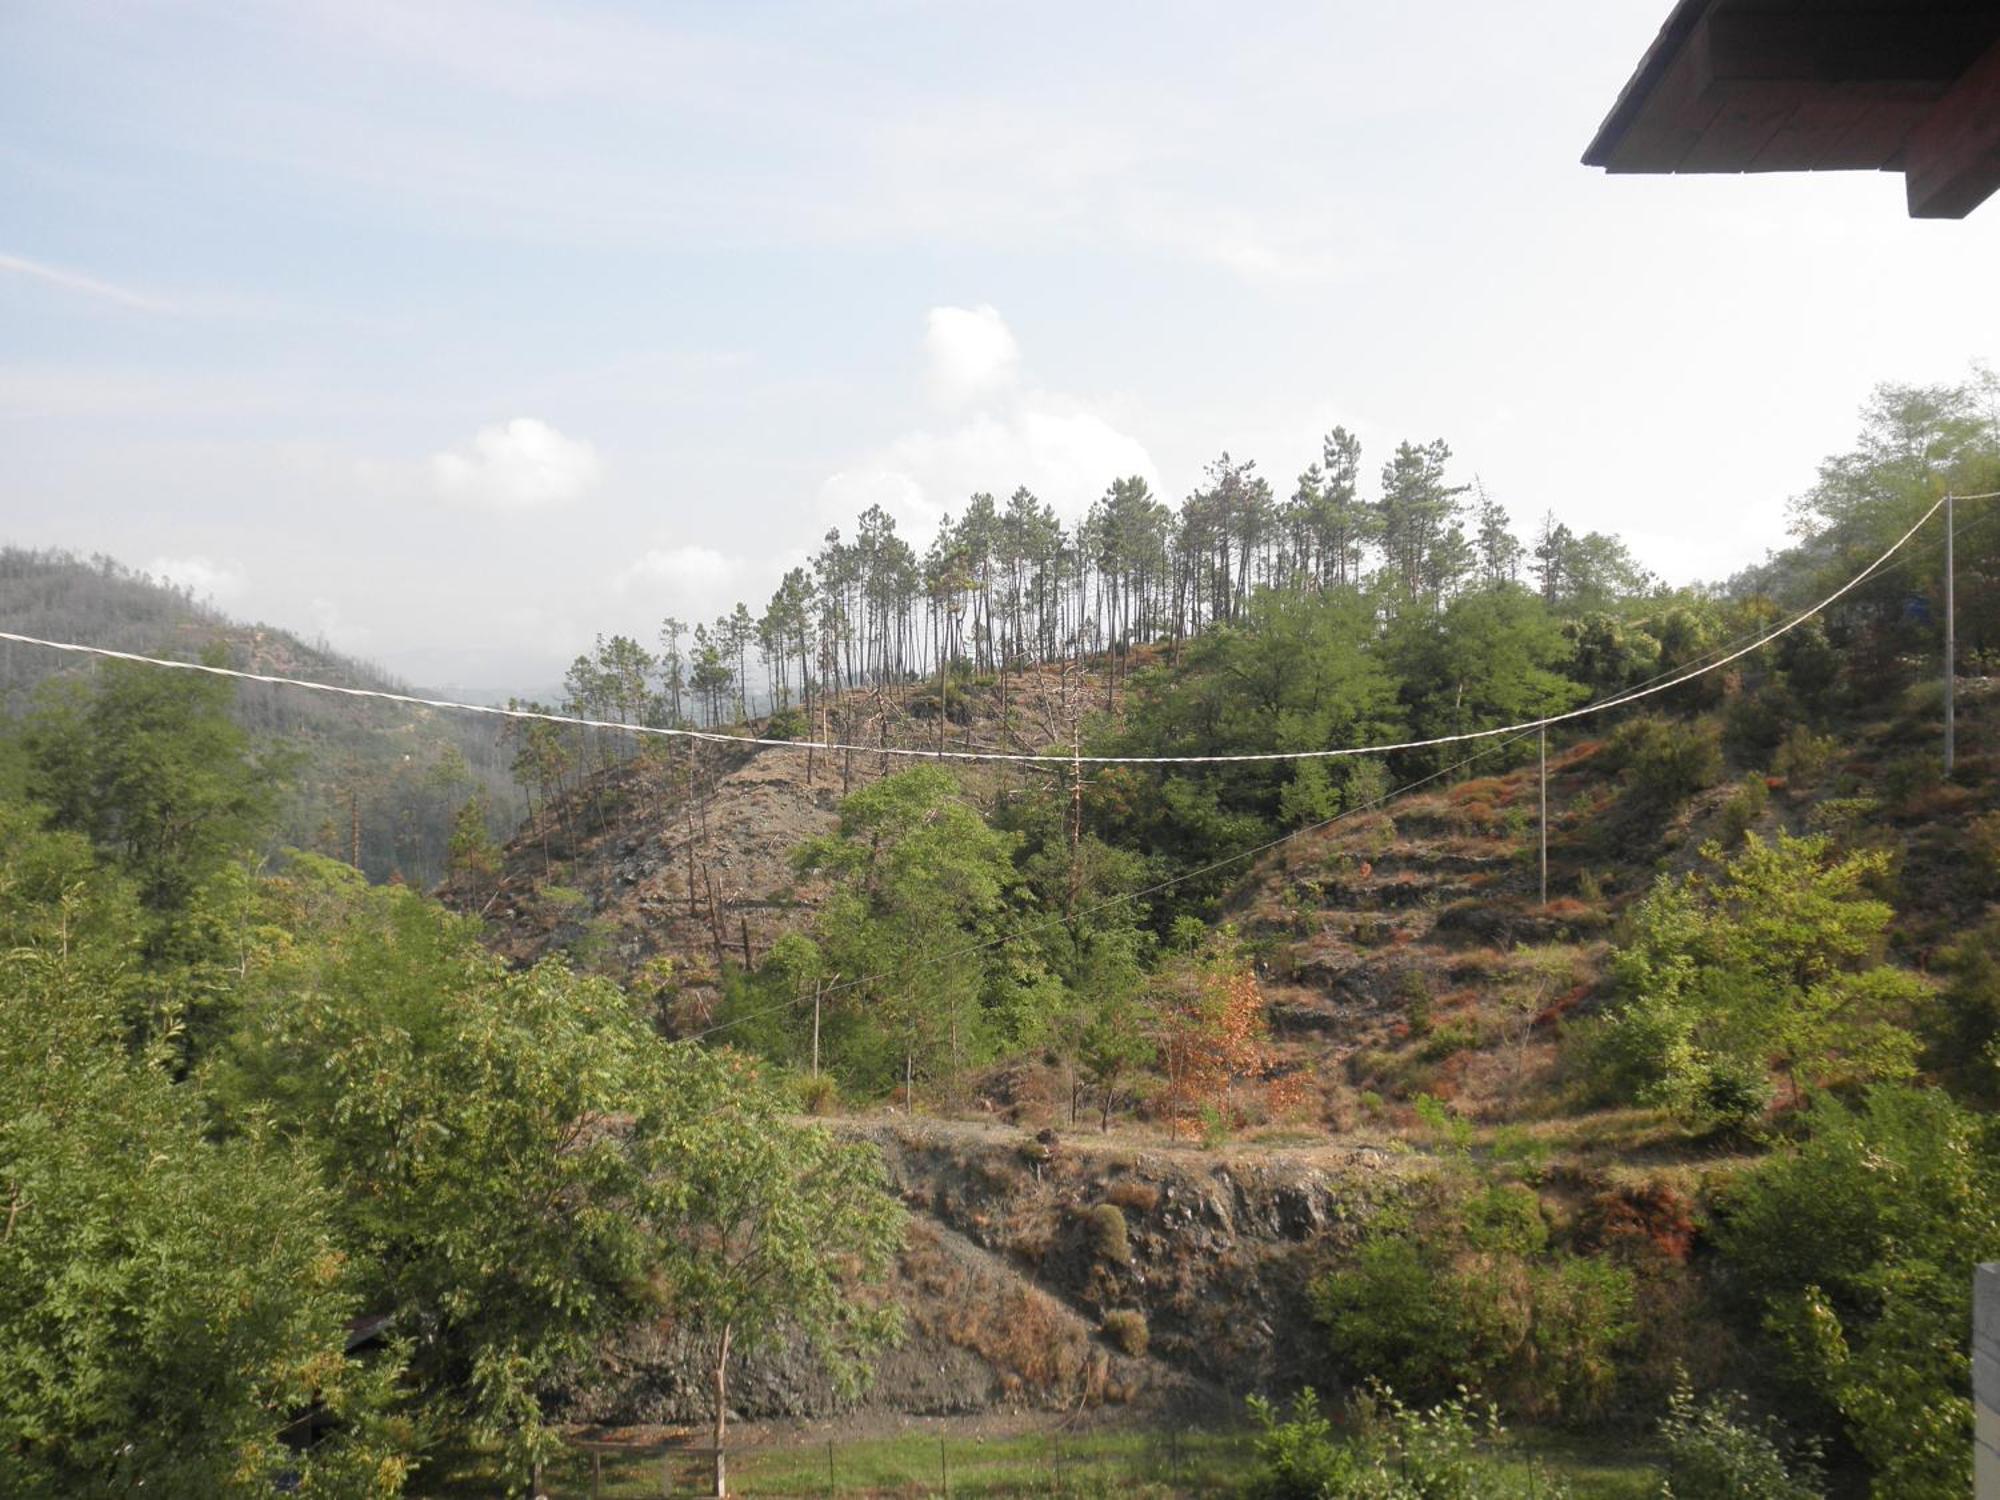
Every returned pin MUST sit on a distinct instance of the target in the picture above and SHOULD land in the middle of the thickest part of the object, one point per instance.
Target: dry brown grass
(1025, 1334)
(1133, 1194)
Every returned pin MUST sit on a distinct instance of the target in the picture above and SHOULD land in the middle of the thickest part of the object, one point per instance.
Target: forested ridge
(380, 787)
(1010, 583)
(1692, 1154)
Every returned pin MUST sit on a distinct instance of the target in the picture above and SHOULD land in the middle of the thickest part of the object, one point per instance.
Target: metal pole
(816, 990)
(1950, 643)
(1544, 739)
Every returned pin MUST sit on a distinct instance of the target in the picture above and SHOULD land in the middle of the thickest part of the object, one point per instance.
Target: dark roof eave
(1645, 78)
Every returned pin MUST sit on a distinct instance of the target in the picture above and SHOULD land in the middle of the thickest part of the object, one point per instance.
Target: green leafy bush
(1769, 954)
(1715, 1451)
(1755, 724)
(1396, 1452)
(818, 1094)
(1832, 814)
(1666, 763)
(1473, 1295)
(786, 724)
(1857, 1250)
(1803, 755)
(1745, 806)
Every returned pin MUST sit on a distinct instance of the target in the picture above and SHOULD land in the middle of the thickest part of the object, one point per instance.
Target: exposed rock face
(1217, 1249)
(627, 867)
(1009, 1272)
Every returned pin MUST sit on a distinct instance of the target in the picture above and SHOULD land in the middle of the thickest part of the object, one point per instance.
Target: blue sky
(461, 332)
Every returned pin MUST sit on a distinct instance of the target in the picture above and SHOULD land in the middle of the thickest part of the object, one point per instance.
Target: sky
(457, 333)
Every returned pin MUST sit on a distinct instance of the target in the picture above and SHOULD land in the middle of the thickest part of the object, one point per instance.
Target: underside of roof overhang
(1819, 85)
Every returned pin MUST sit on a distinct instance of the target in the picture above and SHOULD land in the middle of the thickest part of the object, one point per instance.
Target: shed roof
(1910, 86)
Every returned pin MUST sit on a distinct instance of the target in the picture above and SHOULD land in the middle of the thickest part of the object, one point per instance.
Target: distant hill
(387, 778)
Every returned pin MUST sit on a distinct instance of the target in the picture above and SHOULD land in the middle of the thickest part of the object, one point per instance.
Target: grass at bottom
(1147, 1463)
(1136, 1462)
(1599, 1467)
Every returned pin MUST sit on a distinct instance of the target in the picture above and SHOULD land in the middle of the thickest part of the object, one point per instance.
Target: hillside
(1406, 961)
(626, 868)
(380, 780)
(1239, 1062)
(1407, 952)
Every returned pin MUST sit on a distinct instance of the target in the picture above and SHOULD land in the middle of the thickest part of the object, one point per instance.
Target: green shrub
(1453, 1130)
(1367, 784)
(1716, 1452)
(1858, 1250)
(1665, 763)
(818, 1094)
(1126, 1328)
(1909, 775)
(1108, 1239)
(1476, 1298)
(1982, 838)
(1457, 1035)
(1834, 814)
(1396, 1453)
(1804, 755)
(1745, 806)
(1298, 1456)
(1766, 956)
(785, 724)
(1968, 1043)
(1755, 724)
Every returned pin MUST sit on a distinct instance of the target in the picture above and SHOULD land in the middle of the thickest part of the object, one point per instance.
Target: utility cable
(1503, 731)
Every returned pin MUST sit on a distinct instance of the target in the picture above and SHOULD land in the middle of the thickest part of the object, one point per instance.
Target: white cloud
(1002, 437)
(201, 576)
(694, 569)
(971, 353)
(519, 465)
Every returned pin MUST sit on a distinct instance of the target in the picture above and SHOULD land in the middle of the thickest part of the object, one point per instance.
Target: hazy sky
(461, 332)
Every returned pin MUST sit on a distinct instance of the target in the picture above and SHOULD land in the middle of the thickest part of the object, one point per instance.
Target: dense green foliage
(367, 1114)
(945, 940)
(1716, 1452)
(1471, 1292)
(170, 1304)
(1392, 1452)
(1857, 1249)
(1771, 954)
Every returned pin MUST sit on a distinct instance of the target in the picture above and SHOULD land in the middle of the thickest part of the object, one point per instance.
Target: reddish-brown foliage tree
(1209, 1028)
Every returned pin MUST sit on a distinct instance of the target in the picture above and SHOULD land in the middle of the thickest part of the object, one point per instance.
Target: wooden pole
(816, 994)
(1950, 644)
(1544, 741)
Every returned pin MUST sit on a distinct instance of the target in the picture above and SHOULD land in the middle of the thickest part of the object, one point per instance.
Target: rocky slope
(685, 855)
(1064, 1273)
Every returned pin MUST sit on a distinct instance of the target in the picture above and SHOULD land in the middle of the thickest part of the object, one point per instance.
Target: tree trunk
(721, 1412)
